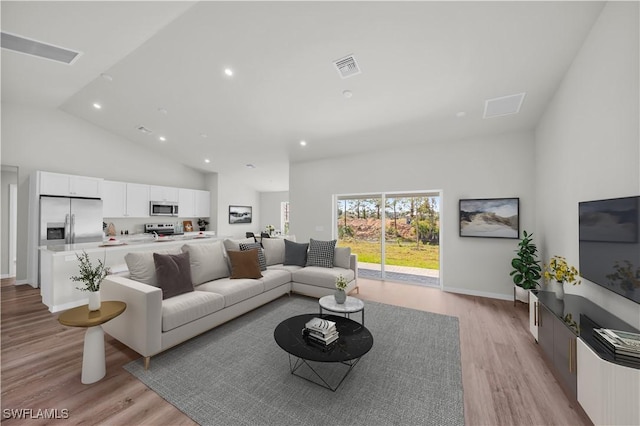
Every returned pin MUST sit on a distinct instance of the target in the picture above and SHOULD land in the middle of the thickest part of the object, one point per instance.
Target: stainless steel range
(161, 229)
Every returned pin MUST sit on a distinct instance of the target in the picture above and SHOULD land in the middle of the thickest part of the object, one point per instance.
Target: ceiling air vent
(347, 66)
(504, 105)
(144, 130)
(35, 48)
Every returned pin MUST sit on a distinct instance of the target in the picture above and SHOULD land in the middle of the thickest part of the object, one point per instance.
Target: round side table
(93, 360)
(350, 306)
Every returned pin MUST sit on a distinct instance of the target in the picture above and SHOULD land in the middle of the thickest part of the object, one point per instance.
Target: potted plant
(91, 277)
(526, 268)
(202, 224)
(559, 271)
(341, 285)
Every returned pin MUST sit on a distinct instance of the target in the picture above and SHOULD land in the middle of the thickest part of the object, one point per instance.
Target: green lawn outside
(403, 254)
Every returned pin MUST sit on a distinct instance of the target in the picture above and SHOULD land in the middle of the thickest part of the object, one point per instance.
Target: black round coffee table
(353, 342)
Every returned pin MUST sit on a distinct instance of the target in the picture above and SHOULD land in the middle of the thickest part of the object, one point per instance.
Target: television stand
(606, 388)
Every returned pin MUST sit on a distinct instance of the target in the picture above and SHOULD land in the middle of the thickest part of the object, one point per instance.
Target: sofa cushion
(174, 274)
(234, 245)
(342, 257)
(244, 264)
(141, 266)
(188, 307)
(207, 261)
(321, 253)
(256, 246)
(295, 253)
(272, 278)
(320, 276)
(233, 290)
(273, 250)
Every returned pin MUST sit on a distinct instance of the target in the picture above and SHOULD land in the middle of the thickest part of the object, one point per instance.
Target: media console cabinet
(608, 389)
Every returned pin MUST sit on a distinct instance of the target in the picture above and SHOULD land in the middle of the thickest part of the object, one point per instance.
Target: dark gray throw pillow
(321, 253)
(295, 253)
(256, 246)
(174, 274)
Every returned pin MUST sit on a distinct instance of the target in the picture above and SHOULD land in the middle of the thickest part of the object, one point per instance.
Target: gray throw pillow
(342, 257)
(295, 253)
(256, 246)
(321, 253)
(174, 274)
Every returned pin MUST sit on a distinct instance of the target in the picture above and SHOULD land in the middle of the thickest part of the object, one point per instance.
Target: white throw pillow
(234, 245)
(141, 266)
(207, 260)
(273, 250)
(342, 257)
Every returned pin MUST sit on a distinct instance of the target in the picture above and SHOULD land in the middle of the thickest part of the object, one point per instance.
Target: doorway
(395, 235)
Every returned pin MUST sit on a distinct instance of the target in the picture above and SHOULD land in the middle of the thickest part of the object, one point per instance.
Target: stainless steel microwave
(163, 208)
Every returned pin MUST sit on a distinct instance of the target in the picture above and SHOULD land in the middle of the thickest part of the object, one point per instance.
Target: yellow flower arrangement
(560, 271)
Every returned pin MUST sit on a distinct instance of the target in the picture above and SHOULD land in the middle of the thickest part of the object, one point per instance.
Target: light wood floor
(505, 380)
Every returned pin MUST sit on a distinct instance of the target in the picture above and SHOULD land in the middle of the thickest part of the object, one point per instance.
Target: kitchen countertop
(137, 240)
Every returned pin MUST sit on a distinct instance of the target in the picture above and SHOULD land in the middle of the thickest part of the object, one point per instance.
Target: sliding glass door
(396, 235)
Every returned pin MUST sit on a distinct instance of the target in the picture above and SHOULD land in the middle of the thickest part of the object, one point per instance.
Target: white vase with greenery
(91, 277)
(340, 294)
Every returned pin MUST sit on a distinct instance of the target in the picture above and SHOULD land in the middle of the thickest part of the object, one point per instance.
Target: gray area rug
(236, 374)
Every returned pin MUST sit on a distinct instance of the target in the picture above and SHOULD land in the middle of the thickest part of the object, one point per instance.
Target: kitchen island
(59, 263)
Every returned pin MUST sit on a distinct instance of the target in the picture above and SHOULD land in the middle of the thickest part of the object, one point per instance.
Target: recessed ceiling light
(162, 139)
(228, 72)
(106, 76)
(347, 94)
(203, 135)
(206, 160)
(461, 114)
(303, 143)
(163, 111)
(97, 105)
(251, 166)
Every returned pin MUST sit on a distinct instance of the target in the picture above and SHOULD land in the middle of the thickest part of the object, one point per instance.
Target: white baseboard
(479, 293)
(3, 276)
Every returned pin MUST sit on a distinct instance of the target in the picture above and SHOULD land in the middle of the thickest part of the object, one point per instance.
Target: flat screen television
(609, 244)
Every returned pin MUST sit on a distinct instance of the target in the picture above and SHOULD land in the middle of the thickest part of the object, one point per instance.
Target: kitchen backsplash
(136, 225)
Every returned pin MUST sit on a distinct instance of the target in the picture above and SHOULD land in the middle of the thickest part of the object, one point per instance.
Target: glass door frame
(383, 216)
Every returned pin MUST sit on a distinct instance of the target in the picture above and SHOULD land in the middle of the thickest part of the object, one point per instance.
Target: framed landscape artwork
(239, 214)
(490, 218)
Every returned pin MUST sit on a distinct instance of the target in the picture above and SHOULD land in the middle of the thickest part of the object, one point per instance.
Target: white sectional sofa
(151, 324)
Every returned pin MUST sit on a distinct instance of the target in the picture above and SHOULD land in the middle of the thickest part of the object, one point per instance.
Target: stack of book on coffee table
(320, 332)
(624, 345)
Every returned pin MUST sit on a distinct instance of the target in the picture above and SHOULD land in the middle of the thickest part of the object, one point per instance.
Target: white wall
(270, 208)
(482, 167)
(234, 194)
(9, 177)
(588, 142)
(51, 140)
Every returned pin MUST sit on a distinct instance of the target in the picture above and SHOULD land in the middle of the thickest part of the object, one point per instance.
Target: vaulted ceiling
(426, 70)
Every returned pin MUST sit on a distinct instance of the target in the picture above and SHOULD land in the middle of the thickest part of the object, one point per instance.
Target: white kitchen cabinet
(121, 199)
(202, 204)
(194, 203)
(186, 203)
(70, 185)
(137, 200)
(114, 199)
(163, 193)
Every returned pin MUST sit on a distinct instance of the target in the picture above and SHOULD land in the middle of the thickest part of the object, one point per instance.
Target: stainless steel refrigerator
(66, 220)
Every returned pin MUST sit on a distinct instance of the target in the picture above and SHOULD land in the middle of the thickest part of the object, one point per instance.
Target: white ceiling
(422, 63)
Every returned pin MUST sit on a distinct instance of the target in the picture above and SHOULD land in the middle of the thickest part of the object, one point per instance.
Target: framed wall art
(490, 218)
(239, 214)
